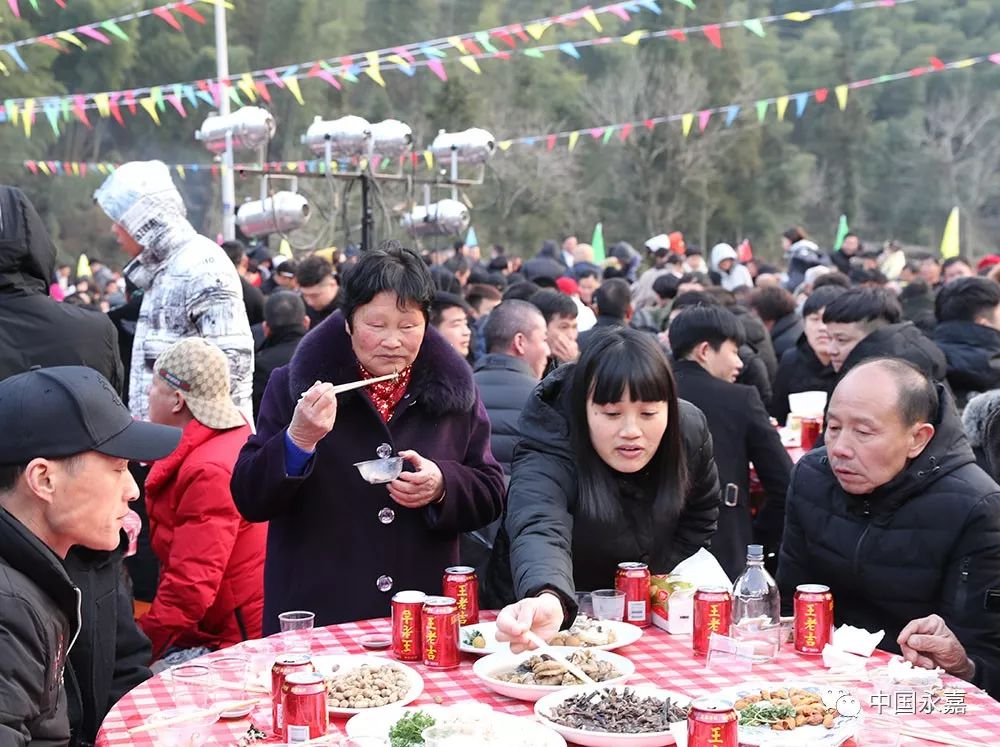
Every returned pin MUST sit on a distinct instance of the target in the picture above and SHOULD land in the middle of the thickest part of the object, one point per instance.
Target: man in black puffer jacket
(894, 515)
(968, 332)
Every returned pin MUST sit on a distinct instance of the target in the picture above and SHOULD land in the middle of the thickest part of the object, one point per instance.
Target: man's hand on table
(542, 615)
(929, 643)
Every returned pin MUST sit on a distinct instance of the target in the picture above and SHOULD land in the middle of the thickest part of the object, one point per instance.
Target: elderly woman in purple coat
(337, 545)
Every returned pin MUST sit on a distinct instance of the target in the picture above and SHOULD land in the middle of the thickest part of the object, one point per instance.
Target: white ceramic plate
(602, 738)
(815, 736)
(332, 666)
(625, 635)
(486, 669)
(523, 732)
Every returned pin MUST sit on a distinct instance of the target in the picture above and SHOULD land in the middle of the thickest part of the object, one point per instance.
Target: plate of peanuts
(793, 714)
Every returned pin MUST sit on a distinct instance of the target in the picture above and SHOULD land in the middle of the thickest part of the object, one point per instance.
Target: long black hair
(617, 362)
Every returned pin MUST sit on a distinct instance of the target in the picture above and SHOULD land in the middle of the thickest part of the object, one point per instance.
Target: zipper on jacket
(856, 567)
(963, 583)
(79, 618)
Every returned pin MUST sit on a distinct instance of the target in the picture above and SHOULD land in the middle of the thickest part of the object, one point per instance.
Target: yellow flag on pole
(83, 267)
(950, 239)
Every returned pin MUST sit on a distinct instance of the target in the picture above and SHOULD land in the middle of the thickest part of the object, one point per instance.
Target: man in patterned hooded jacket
(191, 289)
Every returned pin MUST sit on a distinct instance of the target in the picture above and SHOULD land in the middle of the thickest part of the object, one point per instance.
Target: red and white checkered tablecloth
(660, 659)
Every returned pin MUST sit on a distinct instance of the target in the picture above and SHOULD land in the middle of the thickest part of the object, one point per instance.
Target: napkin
(856, 640)
(702, 569)
(841, 661)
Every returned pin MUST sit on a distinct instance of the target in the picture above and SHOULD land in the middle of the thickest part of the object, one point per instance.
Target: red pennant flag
(472, 47)
(714, 34)
(550, 142)
(83, 169)
(918, 71)
(190, 12)
(745, 251)
(650, 124)
(625, 132)
(130, 102)
(346, 62)
(168, 17)
(518, 30)
(821, 94)
(937, 64)
(32, 167)
(116, 112)
(263, 90)
(677, 34)
(80, 109)
(507, 38)
(50, 42)
(502, 55)
(314, 71)
(414, 158)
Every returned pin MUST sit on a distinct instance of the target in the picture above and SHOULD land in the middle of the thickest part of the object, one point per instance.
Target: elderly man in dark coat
(337, 545)
(894, 515)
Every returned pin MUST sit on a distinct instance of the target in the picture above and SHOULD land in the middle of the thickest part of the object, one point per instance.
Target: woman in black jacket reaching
(612, 467)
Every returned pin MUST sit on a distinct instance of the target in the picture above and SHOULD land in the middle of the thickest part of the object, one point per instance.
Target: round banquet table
(661, 659)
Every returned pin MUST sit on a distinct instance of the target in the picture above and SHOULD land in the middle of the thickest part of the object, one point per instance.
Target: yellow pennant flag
(181, 172)
(428, 158)
(15, 113)
(458, 44)
(798, 16)
(285, 249)
(591, 17)
(28, 116)
(967, 62)
(950, 240)
(83, 267)
(635, 37)
(75, 168)
(505, 144)
(68, 37)
(245, 84)
(782, 105)
(841, 92)
(470, 62)
(44, 168)
(573, 137)
(149, 104)
(292, 84)
(102, 168)
(374, 68)
(686, 121)
(103, 104)
(537, 29)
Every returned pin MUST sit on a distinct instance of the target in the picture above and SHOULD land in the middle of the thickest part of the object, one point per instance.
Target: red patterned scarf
(386, 394)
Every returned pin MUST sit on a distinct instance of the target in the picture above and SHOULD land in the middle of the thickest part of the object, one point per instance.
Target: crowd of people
(556, 413)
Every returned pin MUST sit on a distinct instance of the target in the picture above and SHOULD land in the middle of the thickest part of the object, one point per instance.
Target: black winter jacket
(274, 352)
(552, 547)
(759, 339)
(505, 383)
(785, 333)
(799, 371)
(111, 654)
(34, 329)
(926, 542)
(973, 354)
(40, 619)
(904, 341)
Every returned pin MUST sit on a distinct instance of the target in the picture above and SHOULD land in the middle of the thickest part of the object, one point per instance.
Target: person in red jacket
(211, 590)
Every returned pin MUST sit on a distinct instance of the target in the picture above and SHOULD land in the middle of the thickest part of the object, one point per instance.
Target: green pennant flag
(761, 110)
(532, 52)
(114, 28)
(755, 26)
(842, 231)
(597, 242)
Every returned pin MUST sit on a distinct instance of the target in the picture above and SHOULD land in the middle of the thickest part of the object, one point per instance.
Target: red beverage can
(284, 666)
(813, 618)
(713, 613)
(406, 612)
(633, 579)
(304, 698)
(439, 624)
(712, 723)
(460, 583)
(811, 428)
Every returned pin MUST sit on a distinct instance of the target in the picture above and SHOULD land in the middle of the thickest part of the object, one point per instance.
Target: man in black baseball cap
(65, 442)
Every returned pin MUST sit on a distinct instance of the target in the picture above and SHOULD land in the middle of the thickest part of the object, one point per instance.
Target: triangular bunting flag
(841, 93)
(113, 28)
(168, 17)
(102, 101)
(625, 131)
(821, 94)
(537, 29)
(532, 52)
(28, 116)
(94, 34)
(687, 3)
(686, 121)
(80, 110)
(569, 49)
(608, 132)
(798, 16)
(755, 26)
(761, 110)
(781, 105)
(293, 87)
(635, 37)
(374, 70)
(245, 84)
(470, 62)
(15, 8)
(190, 12)
(703, 117)
(116, 112)
(573, 137)
(483, 38)
(714, 34)
(591, 17)
(732, 113)
(16, 56)
(550, 142)
(437, 68)
(66, 36)
(801, 101)
(149, 105)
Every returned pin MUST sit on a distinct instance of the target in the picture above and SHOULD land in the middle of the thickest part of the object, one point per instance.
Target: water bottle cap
(755, 551)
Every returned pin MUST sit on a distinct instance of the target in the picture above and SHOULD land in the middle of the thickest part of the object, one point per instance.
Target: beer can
(813, 618)
(712, 722)
(460, 583)
(439, 624)
(811, 428)
(633, 579)
(283, 666)
(406, 612)
(713, 613)
(304, 697)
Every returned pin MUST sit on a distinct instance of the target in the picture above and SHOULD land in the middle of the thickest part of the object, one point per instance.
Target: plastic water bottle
(757, 608)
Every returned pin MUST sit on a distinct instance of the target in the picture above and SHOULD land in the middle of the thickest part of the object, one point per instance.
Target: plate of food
(362, 683)
(614, 716)
(794, 714)
(403, 727)
(532, 675)
(585, 632)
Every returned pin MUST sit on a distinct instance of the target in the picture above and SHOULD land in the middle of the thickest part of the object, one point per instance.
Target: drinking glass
(296, 620)
(192, 730)
(232, 676)
(878, 731)
(609, 604)
(585, 604)
(191, 685)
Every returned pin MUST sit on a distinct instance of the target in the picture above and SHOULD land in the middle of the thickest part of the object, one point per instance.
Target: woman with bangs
(612, 467)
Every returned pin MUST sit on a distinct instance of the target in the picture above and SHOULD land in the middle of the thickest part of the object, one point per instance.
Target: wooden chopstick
(572, 668)
(195, 715)
(340, 388)
(937, 738)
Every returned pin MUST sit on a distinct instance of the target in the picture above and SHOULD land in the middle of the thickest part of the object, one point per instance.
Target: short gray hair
(506, 320)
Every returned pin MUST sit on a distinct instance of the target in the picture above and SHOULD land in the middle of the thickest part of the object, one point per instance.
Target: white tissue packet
(702, 569)
(841, 661)
(857, 640)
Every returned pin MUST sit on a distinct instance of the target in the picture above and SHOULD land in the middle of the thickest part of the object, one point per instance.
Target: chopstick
(340, 388)
(195, 715)
(572, 668)
(228, 686)
(930, 736)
